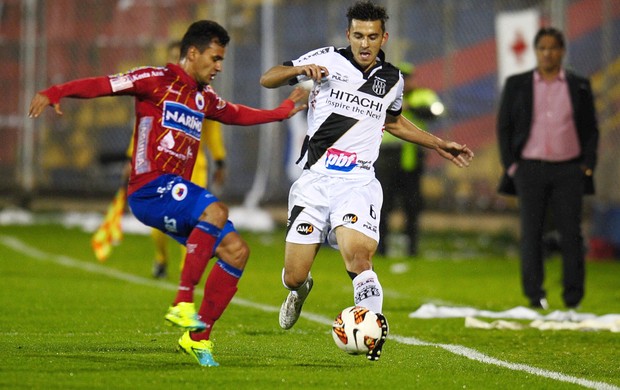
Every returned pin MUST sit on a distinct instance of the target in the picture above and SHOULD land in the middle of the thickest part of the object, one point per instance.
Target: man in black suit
(548, 136)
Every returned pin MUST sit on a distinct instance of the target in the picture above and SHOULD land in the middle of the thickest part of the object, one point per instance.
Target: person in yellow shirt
(401, 164)
(214, 142)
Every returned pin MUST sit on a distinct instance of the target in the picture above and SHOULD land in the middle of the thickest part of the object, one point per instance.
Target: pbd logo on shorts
(305, 229)
(349, 218)
(339, 160)
(179, 191)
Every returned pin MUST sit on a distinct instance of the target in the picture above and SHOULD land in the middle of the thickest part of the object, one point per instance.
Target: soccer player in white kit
(356, 96)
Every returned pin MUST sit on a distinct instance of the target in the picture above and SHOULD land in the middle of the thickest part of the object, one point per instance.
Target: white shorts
(318, 204)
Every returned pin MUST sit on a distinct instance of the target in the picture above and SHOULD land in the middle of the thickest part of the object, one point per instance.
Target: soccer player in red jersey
(171, 104)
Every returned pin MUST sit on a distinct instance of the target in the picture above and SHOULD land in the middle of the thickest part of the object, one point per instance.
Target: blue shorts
(173, 205)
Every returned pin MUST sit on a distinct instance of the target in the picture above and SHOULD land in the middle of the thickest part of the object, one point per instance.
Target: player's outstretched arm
(460, 155)
(86, 88)
(239, 114)
(299, 95)
(39, 103)
(399, 126)
(280, 75)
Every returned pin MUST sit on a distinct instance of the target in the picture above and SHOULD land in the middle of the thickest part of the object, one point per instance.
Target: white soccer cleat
(291, 308)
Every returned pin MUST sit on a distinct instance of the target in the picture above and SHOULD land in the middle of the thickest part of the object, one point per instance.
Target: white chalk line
(21, 247)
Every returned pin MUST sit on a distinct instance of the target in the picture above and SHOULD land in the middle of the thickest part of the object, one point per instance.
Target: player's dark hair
(367, 11)
(550, 31)
(201, 34)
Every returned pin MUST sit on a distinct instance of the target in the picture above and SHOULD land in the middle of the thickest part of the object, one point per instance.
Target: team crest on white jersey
(379, 86)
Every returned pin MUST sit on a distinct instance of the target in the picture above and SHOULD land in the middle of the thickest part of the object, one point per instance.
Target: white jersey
(347, 112)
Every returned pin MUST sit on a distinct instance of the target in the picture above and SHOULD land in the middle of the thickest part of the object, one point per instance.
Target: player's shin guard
(367, 291)
(220, 287)
(200, 247)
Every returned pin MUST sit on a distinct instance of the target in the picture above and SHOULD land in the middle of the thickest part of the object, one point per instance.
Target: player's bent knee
(293, 280)
(234, 251)
(216, 213)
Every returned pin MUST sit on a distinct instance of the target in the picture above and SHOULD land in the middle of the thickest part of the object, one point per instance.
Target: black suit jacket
(514, 123)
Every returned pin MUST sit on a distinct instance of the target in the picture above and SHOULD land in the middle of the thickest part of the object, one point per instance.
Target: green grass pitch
(69, 322)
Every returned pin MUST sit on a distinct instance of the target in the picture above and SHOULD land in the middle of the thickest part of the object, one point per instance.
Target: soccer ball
(356, 330)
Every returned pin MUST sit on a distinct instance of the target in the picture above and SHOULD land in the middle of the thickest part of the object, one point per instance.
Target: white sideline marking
(21, 247)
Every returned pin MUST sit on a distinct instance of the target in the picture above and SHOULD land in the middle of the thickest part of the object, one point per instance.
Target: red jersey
(170, 108)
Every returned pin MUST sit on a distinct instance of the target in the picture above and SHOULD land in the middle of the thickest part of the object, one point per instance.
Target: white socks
(367, 291)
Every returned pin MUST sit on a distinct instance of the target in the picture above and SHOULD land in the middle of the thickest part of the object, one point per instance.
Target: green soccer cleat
(201, 350)
(184, 316)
